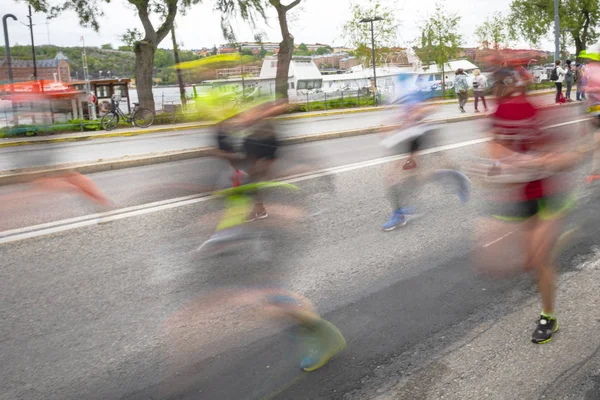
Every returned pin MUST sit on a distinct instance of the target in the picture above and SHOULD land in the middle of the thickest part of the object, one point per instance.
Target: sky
(313, 21)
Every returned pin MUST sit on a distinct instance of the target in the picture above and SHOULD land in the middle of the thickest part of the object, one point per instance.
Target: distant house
(225, 49)
(329, 60)
(56, 69)
(347, 63)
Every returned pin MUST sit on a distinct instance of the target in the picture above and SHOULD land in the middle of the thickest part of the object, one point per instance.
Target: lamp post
(7, 45)
(371, 20)
(242, 74)
(556, 32)
(564, 40)
(32, 44)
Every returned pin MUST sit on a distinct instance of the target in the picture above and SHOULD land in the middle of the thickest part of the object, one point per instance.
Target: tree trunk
(144, 63)
(177, 69)
(286, 48)
(284, 58)
(443, 83)
(579, 47)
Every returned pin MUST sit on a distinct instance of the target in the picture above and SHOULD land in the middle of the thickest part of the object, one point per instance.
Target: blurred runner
(592, 89)
(403, 177)
(529, 195)
(33, 105)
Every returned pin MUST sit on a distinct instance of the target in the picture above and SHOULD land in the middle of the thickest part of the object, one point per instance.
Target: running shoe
(398, 219)
(546, 328)
(254, 216)
(328, 341)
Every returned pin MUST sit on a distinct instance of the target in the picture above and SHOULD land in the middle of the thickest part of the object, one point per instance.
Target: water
(163, 95)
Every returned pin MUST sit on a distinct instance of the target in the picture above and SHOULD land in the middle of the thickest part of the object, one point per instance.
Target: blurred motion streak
(34, 107)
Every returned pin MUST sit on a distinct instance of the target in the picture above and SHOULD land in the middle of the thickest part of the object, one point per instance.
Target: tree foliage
(90, 11)
(120, 63)
(533, 20)
(247, 10)
(493, 32)
(131, 37)
(358, 33)
(440, 40)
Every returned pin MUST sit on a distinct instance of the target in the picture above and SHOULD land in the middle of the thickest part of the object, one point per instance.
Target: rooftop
(51, 63)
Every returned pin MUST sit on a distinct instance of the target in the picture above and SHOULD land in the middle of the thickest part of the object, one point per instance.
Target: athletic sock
(549, 315)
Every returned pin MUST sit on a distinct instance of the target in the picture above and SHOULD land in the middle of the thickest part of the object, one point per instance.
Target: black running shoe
(544, 331)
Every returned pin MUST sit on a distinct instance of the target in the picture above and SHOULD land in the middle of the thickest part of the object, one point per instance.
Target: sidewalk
(128, 132)
(496, 360)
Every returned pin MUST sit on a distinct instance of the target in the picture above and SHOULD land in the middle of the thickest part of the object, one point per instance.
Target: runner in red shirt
(531, 192)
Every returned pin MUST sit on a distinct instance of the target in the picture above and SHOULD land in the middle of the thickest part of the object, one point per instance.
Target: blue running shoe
(398, 219)
(328, 341)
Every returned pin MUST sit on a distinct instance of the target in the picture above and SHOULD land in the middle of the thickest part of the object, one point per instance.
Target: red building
(56, 69)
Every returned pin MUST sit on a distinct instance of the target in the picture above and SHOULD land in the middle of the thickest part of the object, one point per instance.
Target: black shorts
(545, 208)
(416, 144)
(261, 148)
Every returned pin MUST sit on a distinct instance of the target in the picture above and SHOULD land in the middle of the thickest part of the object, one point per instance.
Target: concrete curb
(200, 125)
(29, 174)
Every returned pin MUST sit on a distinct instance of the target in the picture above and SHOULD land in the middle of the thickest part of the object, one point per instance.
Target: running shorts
(545, 208)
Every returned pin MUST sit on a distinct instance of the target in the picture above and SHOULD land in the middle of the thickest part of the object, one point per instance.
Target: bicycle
(141, 117)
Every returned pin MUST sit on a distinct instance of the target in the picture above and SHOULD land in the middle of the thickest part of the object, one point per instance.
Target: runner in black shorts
(531, 196)
(261, 147)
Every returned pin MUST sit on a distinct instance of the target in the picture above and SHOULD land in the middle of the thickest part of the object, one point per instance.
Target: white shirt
(561, 74)
(481, 81)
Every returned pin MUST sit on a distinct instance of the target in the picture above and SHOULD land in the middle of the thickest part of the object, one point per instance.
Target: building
(56, 69)
(329, 60)
(342, 50)
(348, 62)
(226, 49)
(204, 52)
(316, 46)
(248, 71)
(270, 47)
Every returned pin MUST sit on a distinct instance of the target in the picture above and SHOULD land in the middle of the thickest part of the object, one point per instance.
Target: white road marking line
(49, 228)
(499, 239)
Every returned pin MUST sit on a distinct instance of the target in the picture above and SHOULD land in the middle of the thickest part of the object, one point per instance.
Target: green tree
(248, 10)
(533, 20)
(303, 47)
(131, 37)
(440, 40)
(106, 46)
(147, 11)
(493, 32)
(214, 50)
(358, 34)
(324, 50)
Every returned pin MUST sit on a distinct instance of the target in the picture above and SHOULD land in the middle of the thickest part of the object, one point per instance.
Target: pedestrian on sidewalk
(479, 86)
(558, 76)
(579, 82)
(569, 78)
(461, 87)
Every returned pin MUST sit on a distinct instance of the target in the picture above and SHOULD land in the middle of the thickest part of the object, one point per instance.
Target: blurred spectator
(461, 86)
(569, 78)
(558, 76)
(479, 85)
(579, 82)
